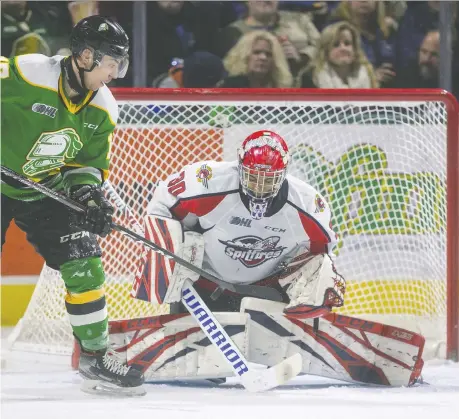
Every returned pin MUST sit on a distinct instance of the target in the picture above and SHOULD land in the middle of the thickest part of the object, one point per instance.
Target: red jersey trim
(198, 205)
(318, 237)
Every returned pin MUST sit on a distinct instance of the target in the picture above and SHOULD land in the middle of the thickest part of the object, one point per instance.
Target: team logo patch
(103, 27)
(204, 174)
(320, 204)
(252, 251)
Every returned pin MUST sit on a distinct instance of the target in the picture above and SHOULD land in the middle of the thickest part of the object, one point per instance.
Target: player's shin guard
(85, 302)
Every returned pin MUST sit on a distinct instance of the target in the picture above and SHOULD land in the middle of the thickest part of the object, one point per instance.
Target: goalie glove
(98, 216)
(314, 289)
(159, 280)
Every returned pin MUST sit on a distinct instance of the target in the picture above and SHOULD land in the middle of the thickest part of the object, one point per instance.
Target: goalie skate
(105, 375)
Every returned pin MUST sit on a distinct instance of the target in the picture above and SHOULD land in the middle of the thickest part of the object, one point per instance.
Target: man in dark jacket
(423, 72)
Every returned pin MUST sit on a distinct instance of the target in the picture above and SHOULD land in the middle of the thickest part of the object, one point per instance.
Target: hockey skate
(105, 374)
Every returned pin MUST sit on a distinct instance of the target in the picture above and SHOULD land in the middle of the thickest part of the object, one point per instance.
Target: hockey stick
(120, 204)
(248, 290)
(252, 380)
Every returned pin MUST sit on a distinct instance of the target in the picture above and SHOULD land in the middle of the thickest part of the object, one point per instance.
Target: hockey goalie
(248, 222)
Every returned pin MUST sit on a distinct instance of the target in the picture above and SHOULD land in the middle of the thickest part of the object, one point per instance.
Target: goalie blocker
(173, 347)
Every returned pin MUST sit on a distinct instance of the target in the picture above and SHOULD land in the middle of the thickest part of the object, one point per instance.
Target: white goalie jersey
(205, 197)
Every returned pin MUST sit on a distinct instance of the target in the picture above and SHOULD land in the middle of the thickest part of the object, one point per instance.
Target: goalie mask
(263, 160)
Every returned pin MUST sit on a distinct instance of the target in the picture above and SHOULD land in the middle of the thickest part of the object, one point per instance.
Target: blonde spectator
(295, 31)
(340, 62)
(377, 34)
(257, 60)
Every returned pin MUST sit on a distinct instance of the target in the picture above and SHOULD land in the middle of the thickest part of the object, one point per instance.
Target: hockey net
(385, 160)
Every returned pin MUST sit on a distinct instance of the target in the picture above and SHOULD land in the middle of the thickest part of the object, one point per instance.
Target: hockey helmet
(263, 161)
(104, 37)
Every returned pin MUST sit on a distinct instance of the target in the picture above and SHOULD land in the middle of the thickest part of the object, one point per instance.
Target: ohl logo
(252, 251)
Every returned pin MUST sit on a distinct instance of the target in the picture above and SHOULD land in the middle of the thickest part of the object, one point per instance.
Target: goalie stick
(247, 290)
(254, 380)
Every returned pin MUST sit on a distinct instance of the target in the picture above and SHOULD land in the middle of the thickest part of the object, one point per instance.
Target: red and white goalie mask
(263, 160)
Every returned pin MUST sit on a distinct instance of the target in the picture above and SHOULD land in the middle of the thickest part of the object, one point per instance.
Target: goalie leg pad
(159, 279)
(335, 346)
(173, 346)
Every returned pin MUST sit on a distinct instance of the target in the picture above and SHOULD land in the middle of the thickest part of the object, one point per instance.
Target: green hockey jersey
(44, 134)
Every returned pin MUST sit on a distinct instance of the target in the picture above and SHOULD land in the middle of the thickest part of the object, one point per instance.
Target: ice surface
(29, 393)
(44, 387)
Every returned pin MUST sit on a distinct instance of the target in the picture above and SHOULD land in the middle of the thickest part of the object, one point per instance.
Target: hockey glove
(98, 216)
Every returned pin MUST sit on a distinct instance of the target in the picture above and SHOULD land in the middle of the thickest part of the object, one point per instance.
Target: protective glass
(117, 64)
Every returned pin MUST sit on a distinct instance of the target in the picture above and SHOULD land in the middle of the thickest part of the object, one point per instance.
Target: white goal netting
(382, 165)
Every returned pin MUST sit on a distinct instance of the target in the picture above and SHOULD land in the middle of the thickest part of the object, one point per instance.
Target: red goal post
(385, 159)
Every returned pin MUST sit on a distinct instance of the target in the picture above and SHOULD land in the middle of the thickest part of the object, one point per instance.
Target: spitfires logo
(320, 204)
(204, 174)
(252, 251)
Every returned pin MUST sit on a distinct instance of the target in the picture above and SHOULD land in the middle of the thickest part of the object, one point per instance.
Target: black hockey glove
(98, 216)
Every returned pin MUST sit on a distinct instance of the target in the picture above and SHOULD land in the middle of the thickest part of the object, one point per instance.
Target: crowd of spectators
(347, 44)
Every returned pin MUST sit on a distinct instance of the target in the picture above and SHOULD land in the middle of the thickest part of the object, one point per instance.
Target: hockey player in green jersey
(57, 120)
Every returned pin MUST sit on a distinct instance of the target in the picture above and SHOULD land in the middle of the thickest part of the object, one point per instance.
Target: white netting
(382, 167)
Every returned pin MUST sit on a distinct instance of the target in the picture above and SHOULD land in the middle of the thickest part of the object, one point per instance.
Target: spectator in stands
(420, 18)
(257, 60)
(340, 61)
(295, 31)
(200, 69)
(28, 27)
(318, 10)
(176, 29)
(81, 9)
(423, 71)
(394, 11)
(376, 35)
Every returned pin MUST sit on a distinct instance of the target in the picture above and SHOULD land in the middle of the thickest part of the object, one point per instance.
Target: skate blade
(101, 388)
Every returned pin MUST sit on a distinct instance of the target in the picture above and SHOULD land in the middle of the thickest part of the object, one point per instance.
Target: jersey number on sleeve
(177, 186)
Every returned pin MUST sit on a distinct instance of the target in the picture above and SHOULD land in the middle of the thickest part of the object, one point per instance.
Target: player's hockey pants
(75, 253)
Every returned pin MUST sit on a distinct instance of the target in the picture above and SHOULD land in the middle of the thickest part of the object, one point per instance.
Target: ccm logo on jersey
(276, 229)
(252, 251)
(43, 109)
(216, 335)
(90, 126)
(74, 236)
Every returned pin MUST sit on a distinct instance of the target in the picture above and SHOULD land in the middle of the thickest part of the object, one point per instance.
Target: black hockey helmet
(104, 37)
